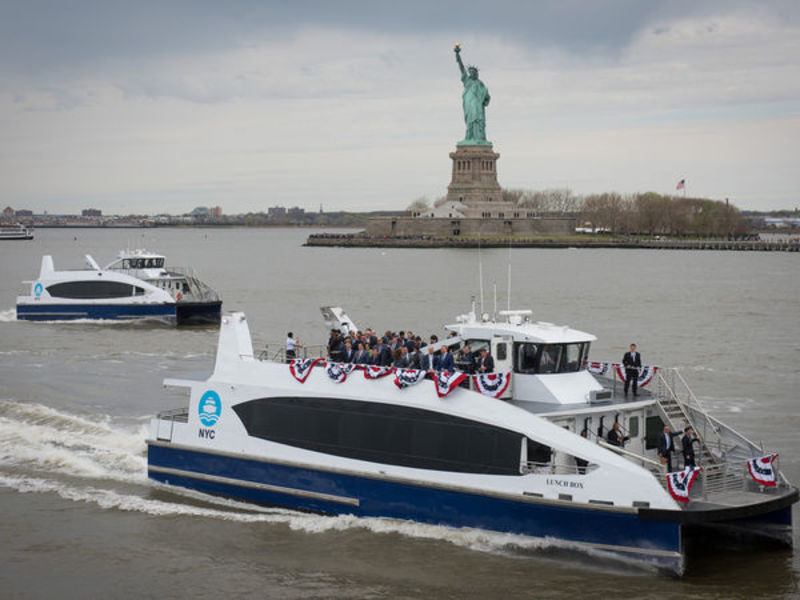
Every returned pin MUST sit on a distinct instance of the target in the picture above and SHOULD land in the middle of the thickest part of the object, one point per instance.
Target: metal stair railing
(678, 412)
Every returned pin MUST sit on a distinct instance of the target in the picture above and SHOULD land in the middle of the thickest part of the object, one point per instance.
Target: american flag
(681, 184)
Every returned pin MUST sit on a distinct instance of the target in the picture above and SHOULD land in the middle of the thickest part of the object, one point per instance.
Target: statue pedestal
(474, 179)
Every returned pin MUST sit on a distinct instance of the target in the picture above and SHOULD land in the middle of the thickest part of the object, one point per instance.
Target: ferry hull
(113, 312)
(198, 313)
(608, 530)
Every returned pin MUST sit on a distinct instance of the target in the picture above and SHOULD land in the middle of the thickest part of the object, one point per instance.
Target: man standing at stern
(632, 361)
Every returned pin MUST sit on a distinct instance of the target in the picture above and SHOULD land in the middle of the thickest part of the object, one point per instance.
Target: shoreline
(345, 241)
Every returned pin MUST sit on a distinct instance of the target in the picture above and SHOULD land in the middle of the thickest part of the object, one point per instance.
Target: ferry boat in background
(522, 451)
(92, 293)
(16, 232)
(196, 303)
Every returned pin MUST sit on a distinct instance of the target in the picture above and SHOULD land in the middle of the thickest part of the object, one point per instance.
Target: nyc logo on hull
(209, 411)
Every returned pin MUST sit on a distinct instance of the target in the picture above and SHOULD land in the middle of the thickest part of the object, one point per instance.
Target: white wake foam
(9, 315)
(45, 440)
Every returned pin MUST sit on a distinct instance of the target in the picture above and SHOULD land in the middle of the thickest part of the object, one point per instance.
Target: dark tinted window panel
(653, 426)
(384, 433)
(90, 289)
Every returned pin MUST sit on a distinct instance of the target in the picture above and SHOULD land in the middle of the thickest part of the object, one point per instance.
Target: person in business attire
(429, 360)
(348, 354)
(399, 361)
(446, 360)
(362, 355)
(615, 437)
(666, 446)
(687, 447)
(632, 361)
(414, 357)
(486, 362)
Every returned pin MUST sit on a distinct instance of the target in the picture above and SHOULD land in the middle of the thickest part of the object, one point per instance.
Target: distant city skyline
(149, 107)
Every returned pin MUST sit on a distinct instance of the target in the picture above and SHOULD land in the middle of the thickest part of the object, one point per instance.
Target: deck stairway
(721, 452)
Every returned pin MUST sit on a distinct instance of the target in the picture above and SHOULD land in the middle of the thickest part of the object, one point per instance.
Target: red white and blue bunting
(646, 374)
(447, 381)
(376, 372)
(762, 470)
(492, 384)
(404, 378)
(681, 482)
(338, 371)
(300, 368)
(600, 368)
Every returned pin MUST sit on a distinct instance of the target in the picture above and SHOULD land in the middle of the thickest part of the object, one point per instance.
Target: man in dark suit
(446, 360)
(486, 362)
(615, 437)
(666, 446)
(362, 356)
(687, 444)
(632, 361)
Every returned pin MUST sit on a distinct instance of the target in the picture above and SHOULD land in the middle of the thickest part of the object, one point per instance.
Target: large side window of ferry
(90, 289)
(384, 433)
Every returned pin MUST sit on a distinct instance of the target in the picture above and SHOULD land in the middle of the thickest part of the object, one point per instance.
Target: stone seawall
(356, 241)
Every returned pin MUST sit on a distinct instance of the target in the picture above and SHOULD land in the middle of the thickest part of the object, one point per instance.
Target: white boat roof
(517, 325)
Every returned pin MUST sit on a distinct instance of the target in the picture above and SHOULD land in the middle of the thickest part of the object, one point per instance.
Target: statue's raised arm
(475, 99)
(457, 50)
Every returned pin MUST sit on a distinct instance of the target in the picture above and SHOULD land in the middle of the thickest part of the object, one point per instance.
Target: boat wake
(6, 316)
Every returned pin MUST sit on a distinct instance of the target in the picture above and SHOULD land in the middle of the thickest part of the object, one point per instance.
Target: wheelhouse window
(531, 358)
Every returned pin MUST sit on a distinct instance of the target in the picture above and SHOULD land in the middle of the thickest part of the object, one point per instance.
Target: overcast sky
(146, 107)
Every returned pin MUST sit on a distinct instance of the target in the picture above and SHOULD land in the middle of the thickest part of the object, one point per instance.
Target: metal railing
(276, 352)
(549, 468)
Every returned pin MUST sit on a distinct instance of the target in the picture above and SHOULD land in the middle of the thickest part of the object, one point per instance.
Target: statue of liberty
(475, 99)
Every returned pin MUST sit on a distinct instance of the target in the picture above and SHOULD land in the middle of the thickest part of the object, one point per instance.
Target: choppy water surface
(80, 518)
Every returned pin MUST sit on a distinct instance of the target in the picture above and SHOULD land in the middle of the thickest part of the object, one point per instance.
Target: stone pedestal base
(474, 179)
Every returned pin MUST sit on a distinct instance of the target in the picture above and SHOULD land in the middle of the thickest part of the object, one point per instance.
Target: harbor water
(81, 520)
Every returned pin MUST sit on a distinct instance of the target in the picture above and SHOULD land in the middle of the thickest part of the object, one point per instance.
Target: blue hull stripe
(337, 493)
(58, 312)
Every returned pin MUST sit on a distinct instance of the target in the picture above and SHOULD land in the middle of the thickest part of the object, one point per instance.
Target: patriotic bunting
(404, 378)
(681, 482)
(646, 374)
(446, 381)
(762, 471)
(338, 371)
(300, 368)
(600, 368)
(375, 371)
(492, 384)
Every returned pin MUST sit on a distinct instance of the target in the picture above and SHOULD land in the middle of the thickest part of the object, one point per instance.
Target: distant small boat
(92, 293)
(196, 303)
(16, 232)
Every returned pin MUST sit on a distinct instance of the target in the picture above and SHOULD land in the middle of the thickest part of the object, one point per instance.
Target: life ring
(179, 296)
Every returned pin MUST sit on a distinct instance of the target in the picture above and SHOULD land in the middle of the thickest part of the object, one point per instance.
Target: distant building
(216, 211)
(24, 213)
(200, 211)
(276, 211)
(91, 212)
(296, 211)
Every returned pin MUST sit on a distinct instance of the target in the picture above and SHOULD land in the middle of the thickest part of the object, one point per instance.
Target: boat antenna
(495, 301)
(509, 273)
(480, 269)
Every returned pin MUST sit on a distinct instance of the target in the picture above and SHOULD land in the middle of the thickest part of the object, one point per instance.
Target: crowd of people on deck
(404, 350)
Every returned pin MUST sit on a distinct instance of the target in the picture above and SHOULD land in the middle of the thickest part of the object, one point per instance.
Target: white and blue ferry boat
(92, 293)
(524, 452)
(196, 303)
